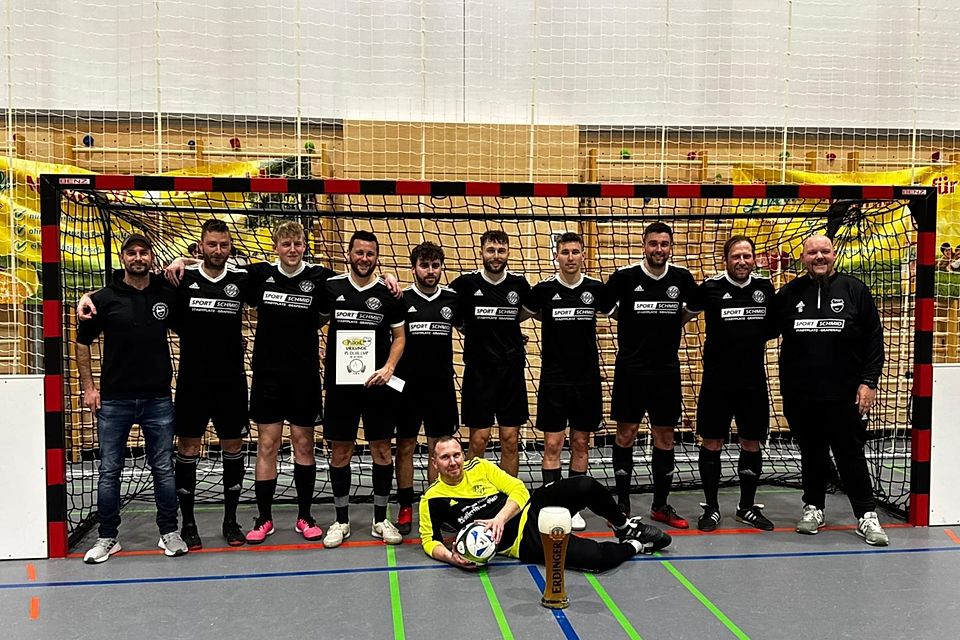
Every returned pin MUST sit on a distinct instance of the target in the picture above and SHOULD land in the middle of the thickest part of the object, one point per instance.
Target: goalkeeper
(480, 491)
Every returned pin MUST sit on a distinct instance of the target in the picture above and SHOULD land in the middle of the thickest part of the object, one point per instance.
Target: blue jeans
(114, 421)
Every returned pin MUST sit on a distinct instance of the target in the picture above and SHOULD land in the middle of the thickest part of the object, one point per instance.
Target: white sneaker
(101, 550)
(577, 523)
(387, 532)
(811, 521)
(870, 530)
(336, 534)
(173, 545)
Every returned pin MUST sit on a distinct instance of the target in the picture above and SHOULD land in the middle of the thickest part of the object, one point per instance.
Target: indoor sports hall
(133, 123)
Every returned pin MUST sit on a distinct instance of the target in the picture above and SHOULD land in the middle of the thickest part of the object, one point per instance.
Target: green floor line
(612, 606)
(495, 604)
(395, 604)
(705, 601)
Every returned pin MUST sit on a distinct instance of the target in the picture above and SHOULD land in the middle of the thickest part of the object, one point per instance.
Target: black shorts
(720, 402)
(496, 394)
(433, 407)
(296, 398)
(636, 394)
(222, 401)
(347, 404)
(579, 406)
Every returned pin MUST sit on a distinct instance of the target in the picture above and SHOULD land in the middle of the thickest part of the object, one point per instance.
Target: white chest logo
(586, 297)
(306, 286)
(446, 312)
(231, 290)
(758, 297)
(673, 293)
(373, 304)
(513, 297)
(836, 305)
(161, 310)
(800, 307)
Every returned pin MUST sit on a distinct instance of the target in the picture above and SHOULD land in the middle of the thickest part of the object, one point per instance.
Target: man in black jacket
(830, 363)
(134, 313)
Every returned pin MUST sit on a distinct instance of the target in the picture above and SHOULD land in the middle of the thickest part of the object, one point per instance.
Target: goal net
(876, 232)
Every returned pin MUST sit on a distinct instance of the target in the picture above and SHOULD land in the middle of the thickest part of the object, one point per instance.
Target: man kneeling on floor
(478, 490)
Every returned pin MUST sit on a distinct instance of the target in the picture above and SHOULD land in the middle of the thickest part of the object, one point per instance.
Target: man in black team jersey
(494, 389)
(648, 301)
(738, 307)
(211, 381)
(136, 310)
(365, 341)
(429, 397)
(569, 392)
(478, 491)
(831, 357)
(289, 296)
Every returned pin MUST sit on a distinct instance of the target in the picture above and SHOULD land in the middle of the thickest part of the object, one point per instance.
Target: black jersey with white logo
(368, 308)
(134, 323)
(649, 315)
(428, 353)
(832, 337)
(210, 319)
(568, 347)
(739, 322)
(288, 317)
(491, 317)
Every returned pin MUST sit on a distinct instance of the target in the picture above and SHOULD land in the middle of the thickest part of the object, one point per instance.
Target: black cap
(136, 238)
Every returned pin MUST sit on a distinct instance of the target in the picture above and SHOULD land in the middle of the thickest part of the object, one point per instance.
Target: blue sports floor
(732, 583)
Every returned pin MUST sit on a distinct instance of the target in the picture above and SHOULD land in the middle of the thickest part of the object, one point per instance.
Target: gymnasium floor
(731, 583)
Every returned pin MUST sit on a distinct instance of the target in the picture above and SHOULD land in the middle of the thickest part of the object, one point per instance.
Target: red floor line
(34, 608)
(952, 535)
(416, 541)
(31, 572)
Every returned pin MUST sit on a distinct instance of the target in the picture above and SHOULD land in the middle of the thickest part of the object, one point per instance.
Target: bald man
(831, 357)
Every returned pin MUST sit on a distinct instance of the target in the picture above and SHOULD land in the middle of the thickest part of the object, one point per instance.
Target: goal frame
(922, 203)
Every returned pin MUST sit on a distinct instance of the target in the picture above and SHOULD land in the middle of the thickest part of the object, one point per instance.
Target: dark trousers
(820, 426)
(576, 494)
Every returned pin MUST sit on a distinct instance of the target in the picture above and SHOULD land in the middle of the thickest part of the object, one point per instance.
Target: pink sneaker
(261, 529)
(309, 528)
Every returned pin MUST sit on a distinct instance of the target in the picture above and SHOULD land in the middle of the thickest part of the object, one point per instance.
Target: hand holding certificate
(356, 357)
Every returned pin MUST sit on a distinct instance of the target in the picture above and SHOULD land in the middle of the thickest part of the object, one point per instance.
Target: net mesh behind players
(874, 240)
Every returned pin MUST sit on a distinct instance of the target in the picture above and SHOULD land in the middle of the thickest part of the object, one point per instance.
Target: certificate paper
(356, 356)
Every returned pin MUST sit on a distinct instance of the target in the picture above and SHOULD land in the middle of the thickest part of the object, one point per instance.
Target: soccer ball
(475, 543)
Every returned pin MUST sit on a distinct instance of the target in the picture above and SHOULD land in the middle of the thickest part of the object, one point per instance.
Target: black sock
(709, 463)
(185, 476)
(574, 474)
(550, 475)
(340, 485)
(623, 470)
(382, 481)
(749, 468)
(233, 471)
(405, 496)
(305, 480)
(661, 467)
(264, 489)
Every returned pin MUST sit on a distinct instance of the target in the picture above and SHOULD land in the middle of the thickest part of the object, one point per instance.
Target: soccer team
(830, 361)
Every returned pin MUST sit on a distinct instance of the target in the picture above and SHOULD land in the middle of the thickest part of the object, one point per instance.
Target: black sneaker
(755, 518)
(191, 536)
(624, 505)
(650, 538)
(233, 534)
(709, 519)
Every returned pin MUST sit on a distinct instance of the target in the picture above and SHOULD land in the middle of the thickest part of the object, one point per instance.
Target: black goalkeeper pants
(576, 494)
(821, 426)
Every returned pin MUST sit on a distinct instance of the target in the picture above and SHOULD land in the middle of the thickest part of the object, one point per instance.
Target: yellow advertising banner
(20, 219)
